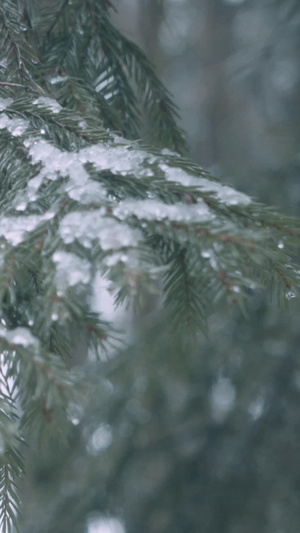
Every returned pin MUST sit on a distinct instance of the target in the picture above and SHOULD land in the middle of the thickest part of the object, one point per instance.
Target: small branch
(8, 84)
(234, 239)
(285, 281)
(279, 227)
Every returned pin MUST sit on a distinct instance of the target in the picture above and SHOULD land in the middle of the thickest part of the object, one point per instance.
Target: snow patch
(15, 229)
(44, 101)
(117, 159)
(5, 102)
(58, 79)
(224, 193)
(70, 270)
(80, 186)
(19, 337)
(16, 126)
(88, 227)
(157, 210)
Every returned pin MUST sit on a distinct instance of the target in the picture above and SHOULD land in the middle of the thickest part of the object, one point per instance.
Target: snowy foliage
(78, 198)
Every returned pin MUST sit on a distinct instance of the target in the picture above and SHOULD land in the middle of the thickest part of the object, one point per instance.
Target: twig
(8, 84)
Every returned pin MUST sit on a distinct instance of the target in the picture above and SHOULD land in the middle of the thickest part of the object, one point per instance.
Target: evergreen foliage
(86, 187)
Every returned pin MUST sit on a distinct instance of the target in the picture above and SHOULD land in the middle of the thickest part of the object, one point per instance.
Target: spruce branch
(77, 200)
(11, 460)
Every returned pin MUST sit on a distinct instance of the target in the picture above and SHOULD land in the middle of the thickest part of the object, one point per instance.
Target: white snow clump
(19, 337)
(44, 101)
(70, 270)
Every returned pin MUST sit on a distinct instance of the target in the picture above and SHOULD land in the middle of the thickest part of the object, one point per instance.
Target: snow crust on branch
(5, 102)
(123, 160)
(223, 193)
(117, 224)
(71, 270)
(15, 229)
(19, 337)
(157, 210)
(15, 126)
(91, 226)
(50, 103)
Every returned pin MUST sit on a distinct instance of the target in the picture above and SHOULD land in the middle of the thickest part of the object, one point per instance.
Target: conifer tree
(96, 178)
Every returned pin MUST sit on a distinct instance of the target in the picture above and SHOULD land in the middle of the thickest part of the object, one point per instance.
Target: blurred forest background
(209, 443)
